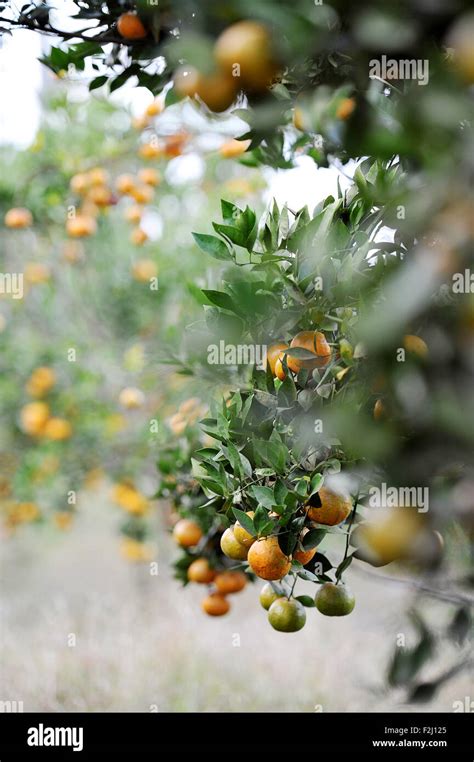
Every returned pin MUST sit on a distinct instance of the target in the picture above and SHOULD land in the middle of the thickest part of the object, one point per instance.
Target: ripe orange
(79, 183)
(231, 547)
(135, 550)
(388, 535)
(131, 398)
(298, 119)
(125, 183)
(133, 214)
(304, 556)
(345, 108)
(57, 429)
(41, 381)
(97, 176)
(138, 237)
(312, 341)
(280, 371)
(18, 218)
(245, 51)
(228, 582)
(63, 519)
(187, 533)
(130, 499)
(201, 572)
(241, 535)
(149, 176)
(150, 151)
(100, 195)
(131, 27)
(33, 417)
(80, 226)
(287, 615)
(416, 346)
(334, 508)
(267, 560)
(334, 600)
(144, 270)
(155, 108)
(231, 149)
(36, 272)
(216, 90)
(273, 353)
(215, 604)
(267, 596)
(379, 410)
(142, 194)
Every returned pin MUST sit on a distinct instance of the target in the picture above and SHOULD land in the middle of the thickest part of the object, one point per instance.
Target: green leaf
(220, 299)
(213, 246)
(272, 453)
(245, 521)
(343, 566)
(313, 538)
(262, 523)
(98, 82)
(316, 483)
(306, 600)
(263, 495)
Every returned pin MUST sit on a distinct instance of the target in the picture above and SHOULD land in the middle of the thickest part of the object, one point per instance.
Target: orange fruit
(298, 119)
(41, 382)
(135, 551)
(63, 519)
(228, 582)
(216, 90)
(33, 417)
(187, 533)
(131, 398)
(287, 615)
(334, 508)
(241, 535)
(267, 560)
(150, 151)
(130, 499)
(215, 604)
(133, 214)
(130, 27)
(80, 226)
(36, 272)
(334, 600)
(231, 547)
(280, 371)
(200, 571)
(100, 195)
(379, 410)
(268, 595)
(304, 556)
(125, 183)
(177, 424)
(142, 194)
(149, 176)
(97, 176)
(233, 148)
(312, 341)
(416, 346)
(79, 183)
(345, 108)
(57, 429)
(138, 237)
(144, 270)
(18, 217)
(273, 354)
(388, 535)
(155, 108)
(245, 50)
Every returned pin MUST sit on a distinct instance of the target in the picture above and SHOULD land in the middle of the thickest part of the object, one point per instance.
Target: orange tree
(367, 379)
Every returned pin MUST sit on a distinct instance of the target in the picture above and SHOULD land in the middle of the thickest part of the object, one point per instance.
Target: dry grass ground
(143, 644)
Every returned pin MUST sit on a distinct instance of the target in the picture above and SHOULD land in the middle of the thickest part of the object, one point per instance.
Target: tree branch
(449, 596)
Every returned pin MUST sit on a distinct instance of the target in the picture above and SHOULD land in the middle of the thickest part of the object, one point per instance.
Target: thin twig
(421, 587)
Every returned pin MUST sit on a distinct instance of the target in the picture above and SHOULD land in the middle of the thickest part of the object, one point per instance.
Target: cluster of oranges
(35, 417)
(187, 534)
(310, 341)
(130, 499)
(133, 547)
(244, 59)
